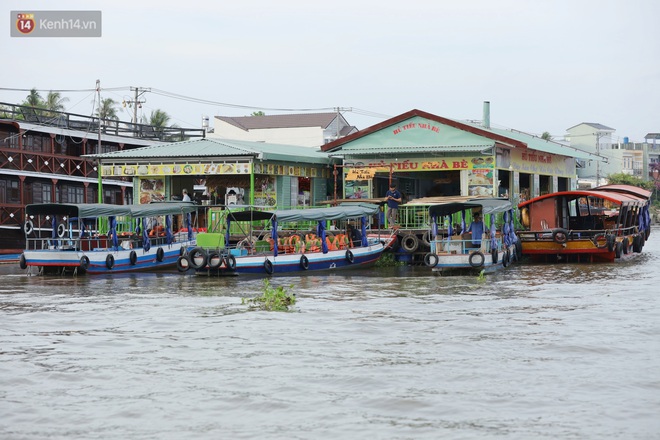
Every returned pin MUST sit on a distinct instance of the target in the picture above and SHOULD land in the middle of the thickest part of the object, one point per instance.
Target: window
(75, 194)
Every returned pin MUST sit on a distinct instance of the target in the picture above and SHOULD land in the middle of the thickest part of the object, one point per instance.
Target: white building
(307, 130)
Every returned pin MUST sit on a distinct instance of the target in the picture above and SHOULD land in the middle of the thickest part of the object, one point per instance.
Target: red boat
(596, 225)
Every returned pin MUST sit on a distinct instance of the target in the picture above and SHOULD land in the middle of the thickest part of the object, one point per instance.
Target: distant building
(306, 130)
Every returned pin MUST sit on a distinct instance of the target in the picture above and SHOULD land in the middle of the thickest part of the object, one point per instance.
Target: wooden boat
(278, 249)
(456, 251)
(103, 238)
(597, 225)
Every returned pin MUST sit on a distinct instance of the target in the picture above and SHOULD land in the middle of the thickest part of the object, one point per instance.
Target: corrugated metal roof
(595, 125)
(91, 135)
(322, 120)
(214, 148)
(422, 149)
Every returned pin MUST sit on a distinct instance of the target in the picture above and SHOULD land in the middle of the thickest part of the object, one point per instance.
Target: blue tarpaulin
(365, 241)
(113, 232)
(273, 235)
(168, 229)
(146, 244)
(320, 232)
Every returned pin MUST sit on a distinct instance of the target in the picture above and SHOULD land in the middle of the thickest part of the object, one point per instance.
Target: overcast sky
(543, 65)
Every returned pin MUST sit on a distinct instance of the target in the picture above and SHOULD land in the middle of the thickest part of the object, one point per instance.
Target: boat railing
(458, 245)
(574, 234)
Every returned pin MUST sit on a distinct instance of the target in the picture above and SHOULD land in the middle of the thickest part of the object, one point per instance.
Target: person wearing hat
(393, 198)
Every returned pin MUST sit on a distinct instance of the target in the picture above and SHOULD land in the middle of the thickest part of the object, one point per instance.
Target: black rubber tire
(431, 259)
(304, 262)
(410, 243)
(22, 262)
(506, 258)
(230, 262)
(182, 263)
(598, 237)
(160, 255)
(214, 259)
(625, 245)
(426, 238)
(84, 262)
(611, 242)
(560, 235)
(350, 257)
(636, 246)
(198, 252)
(182, 251)
(109, 261)
(477, 259)
(494, 255)
(618, 249)
(268, 267)
(132, 258)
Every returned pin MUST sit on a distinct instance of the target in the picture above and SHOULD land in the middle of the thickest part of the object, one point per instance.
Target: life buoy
(410, 243)
(214, 260)
(182, 263)
(494, 255)
(22, 262)
(304, 262)
(431, 259)
(268, 266)
(505, 257)
(524, 217)
(61, 230)
(84, 262)
(28, 227)
(109, 261)
(426, 238)
(560, 235)
(597, 239)
(132, 258)
(160, 255)
(350, 257)
(476, 259)
(197, 258)
(618, 249)
(230, 262)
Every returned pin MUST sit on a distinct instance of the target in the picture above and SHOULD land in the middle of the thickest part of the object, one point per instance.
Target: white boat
(456, 251)
(103, 238)
(275, 250)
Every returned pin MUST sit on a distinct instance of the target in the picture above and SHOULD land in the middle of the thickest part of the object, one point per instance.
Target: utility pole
(136, 102)
(98, 147)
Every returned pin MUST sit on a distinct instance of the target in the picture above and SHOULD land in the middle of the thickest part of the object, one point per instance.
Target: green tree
(546, 136)
(159, 119)
(55, 103)
(107, 110)
(627, 179)
(259, 113)
(35, 101)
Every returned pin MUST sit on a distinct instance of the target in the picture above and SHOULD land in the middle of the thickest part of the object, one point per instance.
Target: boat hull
(297, 263)
(104, 261)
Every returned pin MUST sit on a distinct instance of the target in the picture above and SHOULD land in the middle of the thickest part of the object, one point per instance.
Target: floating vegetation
(388, 260)
(273, 299)
(482, 276)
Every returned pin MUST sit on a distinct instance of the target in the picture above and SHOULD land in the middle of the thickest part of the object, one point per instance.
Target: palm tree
(107, 110)
(32, 100)
(159, 119)
(546, 136)
(55, 102)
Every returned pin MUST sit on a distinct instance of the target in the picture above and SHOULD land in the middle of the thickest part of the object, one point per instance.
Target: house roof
(455, 136)
(595, 125)
(462, 135)
(652, 136)
(213, 148)
(322, 120)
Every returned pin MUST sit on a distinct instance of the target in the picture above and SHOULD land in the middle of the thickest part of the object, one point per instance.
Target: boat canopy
(162, 208)
(626, 189)
(488, 206)
(342, 211)
(95, 210)
(619, 198)
(82, 210)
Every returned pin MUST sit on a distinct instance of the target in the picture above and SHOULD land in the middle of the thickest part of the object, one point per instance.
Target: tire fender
(431, 259)
(476, 259)
(304, 262)
(110, 261)
(268, 266)
(182, 263)
(195, 254)
(349, 256)
(160, 255)
(410, 243)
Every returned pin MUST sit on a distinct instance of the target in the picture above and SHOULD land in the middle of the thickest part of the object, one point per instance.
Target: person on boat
(355, 235)
(186, 197)
(476, 229)
(393, 198)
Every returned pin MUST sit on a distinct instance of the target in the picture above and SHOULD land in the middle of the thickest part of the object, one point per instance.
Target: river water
(532, 352)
